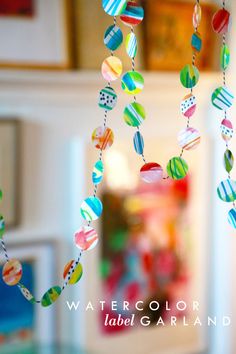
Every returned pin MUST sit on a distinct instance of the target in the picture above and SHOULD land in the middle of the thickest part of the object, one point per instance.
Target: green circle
(224, 57)
(134, 114)
(228, 160)
(132, 82)
(189, 76)
(51, 296)
(2, 226)
(177, 168)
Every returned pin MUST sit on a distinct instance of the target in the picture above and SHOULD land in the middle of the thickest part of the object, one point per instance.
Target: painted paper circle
(77, 273)
(113, 37)
(196, 42)
(188, 105)
(138, 143)
(2, 226)
(221, 21)
(102, 138)
(189, 138)
(232, 217)
(12, 272)
(227, 190)
(226, 128)
(86, 238)
(51, 296)
(228, 160)
(131, 45)
(111, 68)
(107, 98)
(197, 15)
(114, 7)
(177, 168)
(27, 294)
(132, 82)
(134, 114)
(91, 208)
(222, 98)
(151, 172)
(132, 15)
(224, 57)
(189, 76)
(98, 170)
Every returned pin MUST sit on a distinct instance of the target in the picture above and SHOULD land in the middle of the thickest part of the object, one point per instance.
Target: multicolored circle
(222, 98)
(151, 172)
(189, 76)
(102, 138)
(177, 168)
(189, 138)
(132, 82)
(114, 7)
(221, 21)
(197, 15)
(86, 238)
(134, 114)
(91, 208)
(196, 42)
(98, 171)
(133, 14)
(113, 37)
(228, 160)
(232, 217)
(131, 45)
(224, 57)
(51, 296)
(12, 272)
(226, 128)
(188, 105)
(77, 272)
(27, 294)
(138, 143)
(111, 68)
(227, 190)
(2, 226)
(107, 98)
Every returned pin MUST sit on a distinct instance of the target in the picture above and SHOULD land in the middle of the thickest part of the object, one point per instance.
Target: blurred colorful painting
(16, 313)
(17, 8)
(168, 29)
(146, 248)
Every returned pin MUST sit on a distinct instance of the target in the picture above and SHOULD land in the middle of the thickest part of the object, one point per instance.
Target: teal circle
(189, 76)
(132, 82)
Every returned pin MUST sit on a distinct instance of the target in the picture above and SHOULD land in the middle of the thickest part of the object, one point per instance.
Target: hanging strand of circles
(222, 99)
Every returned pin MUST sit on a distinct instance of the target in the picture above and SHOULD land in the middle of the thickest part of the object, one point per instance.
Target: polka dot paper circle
(86, 238)
(133, 14)
(107, 98)
(102, 138)
(111, 68)
(177, 168)
(132, 82)
(188, 105)
(226, 128)
(151, 172)
(91, 208)
(114, 7)
(12, 272)
(77, 273)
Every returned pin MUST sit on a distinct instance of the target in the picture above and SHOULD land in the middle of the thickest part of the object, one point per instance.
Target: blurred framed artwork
(35, 34)
(17, 8)
(167, 35)
(9, 167)
(22, 323)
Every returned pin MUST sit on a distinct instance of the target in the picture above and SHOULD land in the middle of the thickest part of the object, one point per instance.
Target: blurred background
(167, 241)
